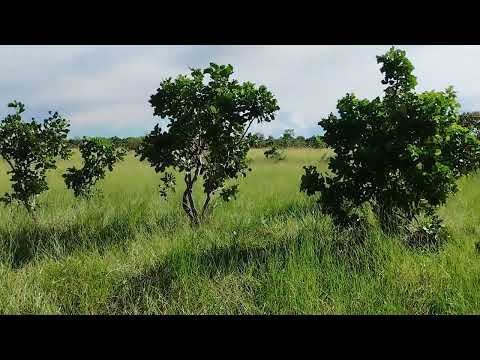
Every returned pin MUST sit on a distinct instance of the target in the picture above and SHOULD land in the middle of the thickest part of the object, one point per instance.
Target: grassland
(269, 252)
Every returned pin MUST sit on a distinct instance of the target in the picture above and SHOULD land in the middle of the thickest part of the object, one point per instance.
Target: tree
(73, 143)
(288, 137)
(31, 149)
(270, 141)
(209, 116)
(133, 143)
(300, 141)
(258, 140)
(274, 153)
(471, 120)
(98, 155)
(402, 154)
(316, 141)
(116, 141)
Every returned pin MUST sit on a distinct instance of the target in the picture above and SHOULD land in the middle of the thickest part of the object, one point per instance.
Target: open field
(269, 252)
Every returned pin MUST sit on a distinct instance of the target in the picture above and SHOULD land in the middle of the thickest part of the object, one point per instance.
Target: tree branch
(9, 163)
(205, 205)
(246, 130)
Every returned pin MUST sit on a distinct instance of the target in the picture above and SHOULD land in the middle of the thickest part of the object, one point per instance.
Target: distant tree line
(130, 143)
(286, 140)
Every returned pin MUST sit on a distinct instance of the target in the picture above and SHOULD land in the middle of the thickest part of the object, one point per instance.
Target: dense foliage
(288, 140)
(471, 120)
(31, 149)
(258, 141)
(131, 143)
(209, 117)
(403, 153)
(275, 153)
(98, 155)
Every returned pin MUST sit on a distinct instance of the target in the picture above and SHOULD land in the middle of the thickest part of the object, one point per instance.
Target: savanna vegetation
(391, 225)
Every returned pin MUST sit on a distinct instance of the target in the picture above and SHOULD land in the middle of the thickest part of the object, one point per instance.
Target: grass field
(269, 252)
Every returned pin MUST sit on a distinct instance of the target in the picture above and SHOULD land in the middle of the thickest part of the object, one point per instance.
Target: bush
(427, 232)
(402, 154)
(98, 156)
(209, 119)
(31, 149)
(275, 153)
(471, 120)
(315, 142)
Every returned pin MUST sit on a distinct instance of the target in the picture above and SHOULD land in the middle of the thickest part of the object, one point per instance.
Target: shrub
(132, 143)
(207, 132)
(31, 149)
(275, 153)
(288, 138)
(427, 232)
(98, 156)
(403, 153)
(471, 120)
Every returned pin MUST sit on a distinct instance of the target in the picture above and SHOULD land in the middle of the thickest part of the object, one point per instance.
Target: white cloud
(108, 87)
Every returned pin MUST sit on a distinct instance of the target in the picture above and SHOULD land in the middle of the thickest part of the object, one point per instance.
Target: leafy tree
(403, 153)
(209, 116)
(299, 141)
(270, 141)
(274, 153)
(316, 142)
(288, 137)
(31, 149)
(133, 143)
(73, 143)
(471, 120)
(116, 141)
(258, 140)
(98, 156)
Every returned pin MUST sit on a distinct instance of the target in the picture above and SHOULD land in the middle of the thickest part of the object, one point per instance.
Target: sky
(104, 90)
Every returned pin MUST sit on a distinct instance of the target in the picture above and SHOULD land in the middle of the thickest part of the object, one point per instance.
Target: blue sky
(104, 90)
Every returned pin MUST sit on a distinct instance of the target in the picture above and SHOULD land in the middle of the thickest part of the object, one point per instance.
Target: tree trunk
(186, 206)
(205, 205)
(188, 202)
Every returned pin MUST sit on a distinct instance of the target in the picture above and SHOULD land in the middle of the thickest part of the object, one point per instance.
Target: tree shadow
(356, 249)
(293, 210)
(160, 280)
(129, 296)
(26, 242)
(165, 280)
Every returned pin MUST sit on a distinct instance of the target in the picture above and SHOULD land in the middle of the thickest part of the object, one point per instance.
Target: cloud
(104, 90)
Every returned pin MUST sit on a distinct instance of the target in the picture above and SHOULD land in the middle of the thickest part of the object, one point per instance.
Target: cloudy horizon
(104, 90)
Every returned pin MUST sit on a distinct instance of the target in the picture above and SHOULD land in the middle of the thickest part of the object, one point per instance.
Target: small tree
(300, 141)
(471, 120)
(31, 149)
(98, 156)
(207, 132)
(287, 138)
(274, 153)
(258, 140)
(270, 141)
(403, 153)
(316, 142)
(133, 143)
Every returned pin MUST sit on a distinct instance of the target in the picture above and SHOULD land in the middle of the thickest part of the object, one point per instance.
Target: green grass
(268, 252)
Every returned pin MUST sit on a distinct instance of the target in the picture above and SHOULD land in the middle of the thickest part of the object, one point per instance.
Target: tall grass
(127, 251)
